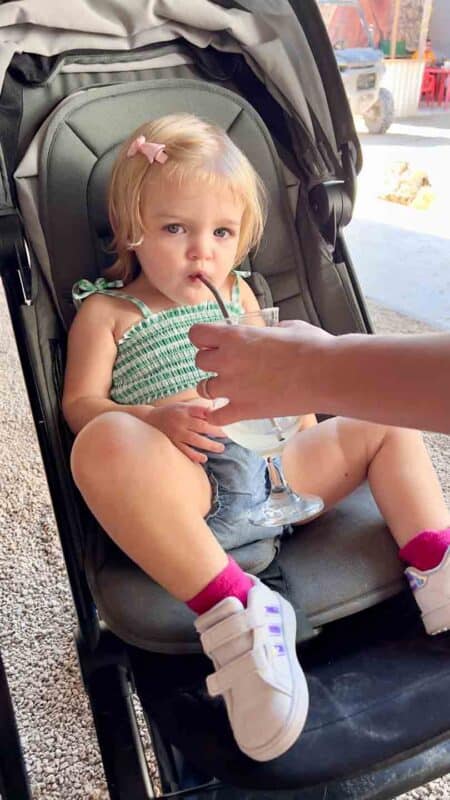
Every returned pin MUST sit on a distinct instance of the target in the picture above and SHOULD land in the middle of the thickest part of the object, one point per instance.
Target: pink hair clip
(151, 150)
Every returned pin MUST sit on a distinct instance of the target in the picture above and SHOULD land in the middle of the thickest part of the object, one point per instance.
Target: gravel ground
(37, 621)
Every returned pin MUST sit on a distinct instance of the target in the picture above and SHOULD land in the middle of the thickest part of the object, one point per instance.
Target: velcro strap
(227, 676)
(230, 628)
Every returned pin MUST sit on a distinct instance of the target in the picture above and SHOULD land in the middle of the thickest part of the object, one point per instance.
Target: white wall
(440, 28)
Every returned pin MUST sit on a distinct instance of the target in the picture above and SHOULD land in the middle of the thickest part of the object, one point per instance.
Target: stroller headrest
(70, 231)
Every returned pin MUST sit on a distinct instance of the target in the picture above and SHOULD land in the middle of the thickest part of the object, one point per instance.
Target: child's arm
(91, 354)
(90, 359)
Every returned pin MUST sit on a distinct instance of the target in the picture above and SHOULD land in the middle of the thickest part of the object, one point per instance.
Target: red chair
(428, 90)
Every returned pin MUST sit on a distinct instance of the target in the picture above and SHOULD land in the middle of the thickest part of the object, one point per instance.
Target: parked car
(361, 64)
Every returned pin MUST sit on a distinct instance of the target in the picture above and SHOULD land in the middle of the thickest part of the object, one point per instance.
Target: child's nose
(200, 248)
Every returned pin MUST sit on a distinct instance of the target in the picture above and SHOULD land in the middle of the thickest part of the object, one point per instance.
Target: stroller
(265, 72)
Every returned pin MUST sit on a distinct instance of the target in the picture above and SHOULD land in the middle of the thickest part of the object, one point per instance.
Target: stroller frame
(111, 669)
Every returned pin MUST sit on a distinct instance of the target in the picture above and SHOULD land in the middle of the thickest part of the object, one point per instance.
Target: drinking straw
(217, 295)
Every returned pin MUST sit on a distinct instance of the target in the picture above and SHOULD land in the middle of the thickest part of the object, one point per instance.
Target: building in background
(343, 24)
(360, 60)
(401, 29)
(347, 22)
(440, 29)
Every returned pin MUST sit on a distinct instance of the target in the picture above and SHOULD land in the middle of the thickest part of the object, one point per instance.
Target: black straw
(216, 294)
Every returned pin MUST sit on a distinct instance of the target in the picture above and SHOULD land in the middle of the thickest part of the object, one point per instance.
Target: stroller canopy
(268, 34)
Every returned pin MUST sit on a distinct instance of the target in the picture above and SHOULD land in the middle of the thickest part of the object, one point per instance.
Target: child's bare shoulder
(248, 298)
(98, 309)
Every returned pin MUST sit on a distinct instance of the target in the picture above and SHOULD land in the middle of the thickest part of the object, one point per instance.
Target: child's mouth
(195, 276)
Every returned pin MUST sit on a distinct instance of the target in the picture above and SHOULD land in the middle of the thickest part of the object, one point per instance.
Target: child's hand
(187, 426)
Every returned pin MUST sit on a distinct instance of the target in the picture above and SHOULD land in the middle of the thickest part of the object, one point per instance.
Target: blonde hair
(195, 149)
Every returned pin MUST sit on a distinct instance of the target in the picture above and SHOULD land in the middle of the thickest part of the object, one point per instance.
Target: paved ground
(403, 254)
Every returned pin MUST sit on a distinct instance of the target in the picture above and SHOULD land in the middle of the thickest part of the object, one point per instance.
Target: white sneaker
(431, 589)
(257, 671)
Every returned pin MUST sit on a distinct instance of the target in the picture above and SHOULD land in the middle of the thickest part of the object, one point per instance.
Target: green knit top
(155, 357)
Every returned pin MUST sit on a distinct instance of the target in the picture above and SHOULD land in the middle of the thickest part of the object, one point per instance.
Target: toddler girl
(164, 482)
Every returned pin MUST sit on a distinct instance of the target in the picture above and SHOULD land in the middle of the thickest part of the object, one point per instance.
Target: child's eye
(173, 227)
(222, 233)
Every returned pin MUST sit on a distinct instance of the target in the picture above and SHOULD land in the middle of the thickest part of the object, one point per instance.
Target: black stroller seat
(351, 555)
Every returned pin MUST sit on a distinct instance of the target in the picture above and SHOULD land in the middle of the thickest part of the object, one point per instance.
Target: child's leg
(334, 457)
(151, 500)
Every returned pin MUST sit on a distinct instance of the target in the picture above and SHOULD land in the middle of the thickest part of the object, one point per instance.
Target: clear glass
(267, 437)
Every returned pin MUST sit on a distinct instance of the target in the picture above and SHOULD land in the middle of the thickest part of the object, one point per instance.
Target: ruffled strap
(84, 288)
(236, 289)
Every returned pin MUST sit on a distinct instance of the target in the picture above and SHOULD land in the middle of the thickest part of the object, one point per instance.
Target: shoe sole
(437, 620)
(299, 711)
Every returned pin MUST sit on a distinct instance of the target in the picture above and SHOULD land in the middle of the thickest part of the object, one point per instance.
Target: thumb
(199, 412)
(224, 415)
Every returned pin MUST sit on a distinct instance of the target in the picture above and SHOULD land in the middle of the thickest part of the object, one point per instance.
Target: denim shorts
(239, 481)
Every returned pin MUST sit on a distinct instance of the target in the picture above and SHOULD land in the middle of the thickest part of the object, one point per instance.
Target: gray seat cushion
(334, 566)
(331, 567)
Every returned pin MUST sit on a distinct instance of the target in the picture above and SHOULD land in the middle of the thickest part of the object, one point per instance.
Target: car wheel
(381, 115)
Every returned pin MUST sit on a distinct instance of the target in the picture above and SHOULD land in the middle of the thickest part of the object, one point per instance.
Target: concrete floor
(402, 258)
(402, 255)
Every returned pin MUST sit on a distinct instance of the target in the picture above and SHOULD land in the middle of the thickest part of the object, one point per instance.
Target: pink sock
(427, 549)
(232, 581)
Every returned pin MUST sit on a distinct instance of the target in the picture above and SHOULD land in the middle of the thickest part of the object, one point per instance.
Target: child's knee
(102, 441)
(406, 437)
(394, 437)
(370, 437)
(371, 433)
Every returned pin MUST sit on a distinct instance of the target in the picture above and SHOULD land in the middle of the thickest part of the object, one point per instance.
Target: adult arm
(298, 368)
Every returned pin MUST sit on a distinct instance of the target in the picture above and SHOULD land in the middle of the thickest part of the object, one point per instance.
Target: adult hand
(188, 427)
(262, 371)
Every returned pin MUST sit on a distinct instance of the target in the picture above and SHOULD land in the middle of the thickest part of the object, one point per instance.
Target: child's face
(189, 229)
